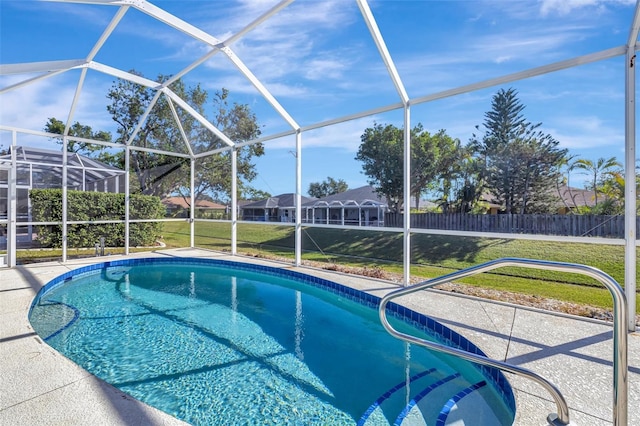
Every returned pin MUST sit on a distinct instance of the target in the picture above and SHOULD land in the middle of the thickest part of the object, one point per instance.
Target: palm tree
(567, 164)
(598, 170)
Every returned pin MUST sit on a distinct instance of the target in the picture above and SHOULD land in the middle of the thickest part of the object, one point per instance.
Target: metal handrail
(620, 385)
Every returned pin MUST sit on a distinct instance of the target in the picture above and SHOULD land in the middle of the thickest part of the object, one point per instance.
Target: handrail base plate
(554, 420)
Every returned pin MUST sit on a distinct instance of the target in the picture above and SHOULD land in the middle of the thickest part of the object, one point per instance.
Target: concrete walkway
(38, 385)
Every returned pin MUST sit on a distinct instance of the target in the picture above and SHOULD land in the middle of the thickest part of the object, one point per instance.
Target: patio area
(40, 385)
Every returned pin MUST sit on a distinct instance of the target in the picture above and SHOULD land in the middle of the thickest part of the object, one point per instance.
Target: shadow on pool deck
(569, 348)
(41, 386)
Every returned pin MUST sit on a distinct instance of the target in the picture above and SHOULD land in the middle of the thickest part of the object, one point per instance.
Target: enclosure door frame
(9, 260)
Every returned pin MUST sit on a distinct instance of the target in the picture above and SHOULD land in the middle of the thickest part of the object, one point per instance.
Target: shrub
(46, 206)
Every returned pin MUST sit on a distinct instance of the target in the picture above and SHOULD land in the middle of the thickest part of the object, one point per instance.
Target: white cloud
(516, 45)
(324, 68)
(289, 46)
(501, 59)
(526, 10)
(300, 19)
(586, 132)
(344, 137)
(29, 107)
(564, 7)
(90, 15)
(489, 54)
(287, 90)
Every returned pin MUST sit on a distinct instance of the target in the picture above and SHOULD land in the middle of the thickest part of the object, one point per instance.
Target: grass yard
(432, 255)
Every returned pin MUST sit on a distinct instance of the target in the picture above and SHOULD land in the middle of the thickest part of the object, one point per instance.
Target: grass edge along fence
(573, 225)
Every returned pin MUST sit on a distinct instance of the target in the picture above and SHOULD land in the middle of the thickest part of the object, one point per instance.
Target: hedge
(46, 206)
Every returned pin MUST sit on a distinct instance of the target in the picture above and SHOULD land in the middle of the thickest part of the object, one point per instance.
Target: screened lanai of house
(42, 168)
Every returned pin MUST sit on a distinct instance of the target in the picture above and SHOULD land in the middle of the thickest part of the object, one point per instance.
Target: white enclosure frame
(52, 68)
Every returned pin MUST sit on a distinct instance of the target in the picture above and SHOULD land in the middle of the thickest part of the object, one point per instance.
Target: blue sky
(318, 60)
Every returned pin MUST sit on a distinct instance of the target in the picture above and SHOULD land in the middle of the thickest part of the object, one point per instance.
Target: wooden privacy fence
(537, 224)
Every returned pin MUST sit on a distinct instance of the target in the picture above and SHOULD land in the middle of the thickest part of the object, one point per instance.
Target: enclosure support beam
(404, 97)
(127, 198)
(630, 172)
(234, 201)
(74, 102)
(195, 114)
(382, 49)
(274, 10)
(65, 209)
(192, 210)
(30, 81)
(298, 202)
(407, 197)
(196, 33)
(143, 118)
(13, 214)
(176, 118)
(107, 32)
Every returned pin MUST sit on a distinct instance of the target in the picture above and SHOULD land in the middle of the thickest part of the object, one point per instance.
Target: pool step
(443, 400)
(394, 399)
(426, 405)
(470, 403)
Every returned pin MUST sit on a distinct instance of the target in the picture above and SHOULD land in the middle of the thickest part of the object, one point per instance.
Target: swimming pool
(219, 342)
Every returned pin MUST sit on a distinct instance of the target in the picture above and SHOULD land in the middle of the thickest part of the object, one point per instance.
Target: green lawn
(432, 255)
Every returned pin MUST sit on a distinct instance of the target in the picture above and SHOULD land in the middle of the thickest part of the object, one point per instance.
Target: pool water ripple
(211, 344)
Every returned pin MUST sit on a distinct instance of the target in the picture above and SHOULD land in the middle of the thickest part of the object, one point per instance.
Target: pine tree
(521, 163)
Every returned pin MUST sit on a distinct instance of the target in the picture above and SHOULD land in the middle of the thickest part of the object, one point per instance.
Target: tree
(155, 174)
(213, 172)
(598, 171)
(567, 167)
(424, 151)
(445, 170)
(461, 186)
(327, 187)
(252, 194)
(382, 154)
(162, 174)
(521, 163)
(78, 130)
(613, 185)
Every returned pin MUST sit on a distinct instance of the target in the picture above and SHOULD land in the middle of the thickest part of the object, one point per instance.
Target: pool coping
(45, 383)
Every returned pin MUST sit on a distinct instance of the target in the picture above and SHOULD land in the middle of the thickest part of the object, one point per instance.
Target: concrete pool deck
(39, 385)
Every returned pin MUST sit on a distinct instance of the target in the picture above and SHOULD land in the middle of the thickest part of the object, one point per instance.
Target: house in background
(280, 208)
(360, 207)
(572, 199)
(568, 199)
(205, 209)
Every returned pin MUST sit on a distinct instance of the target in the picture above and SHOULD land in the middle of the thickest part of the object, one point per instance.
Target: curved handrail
(620, 386)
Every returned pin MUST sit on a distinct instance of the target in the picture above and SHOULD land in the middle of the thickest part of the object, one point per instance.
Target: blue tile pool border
(440, 332)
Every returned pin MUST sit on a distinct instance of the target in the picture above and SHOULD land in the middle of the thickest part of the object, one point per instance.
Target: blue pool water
(215, 342)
